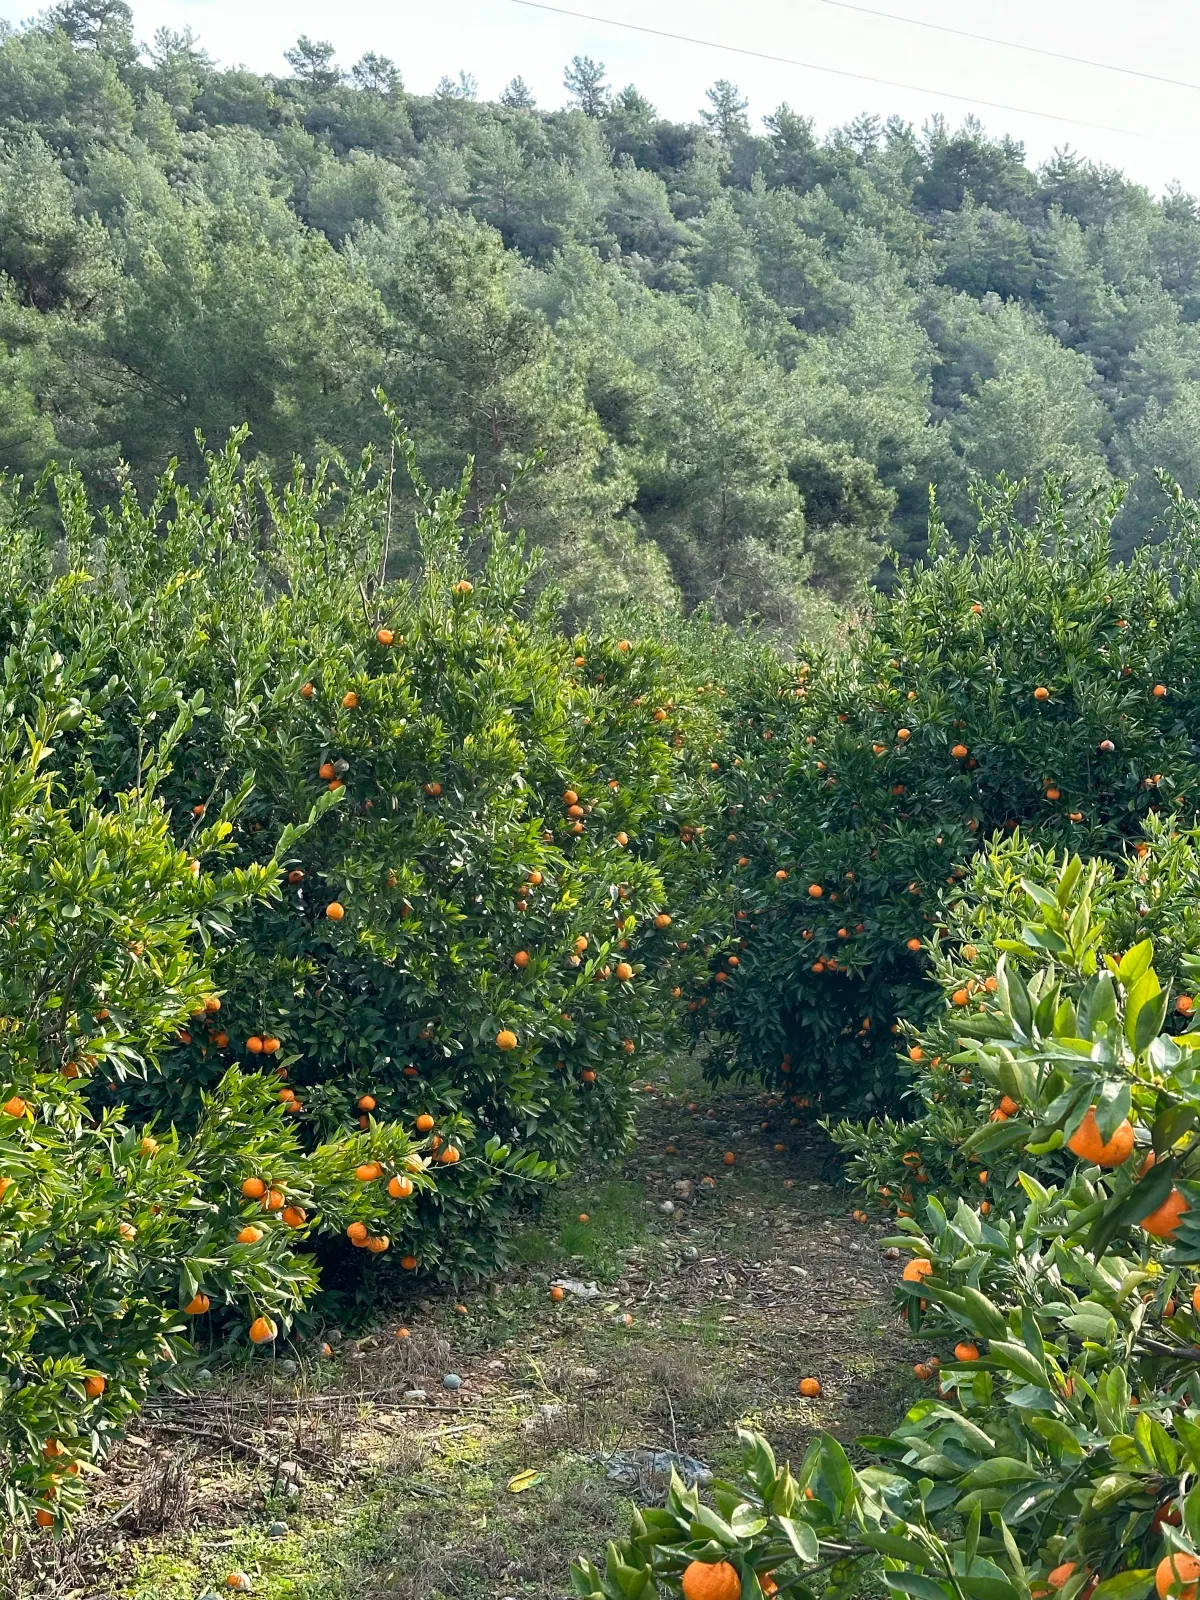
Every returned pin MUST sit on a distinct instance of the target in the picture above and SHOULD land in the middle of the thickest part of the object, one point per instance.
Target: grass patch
(616, 1213)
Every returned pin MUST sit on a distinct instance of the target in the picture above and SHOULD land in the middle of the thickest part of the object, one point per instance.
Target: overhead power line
(1009, 44)
(840, 72)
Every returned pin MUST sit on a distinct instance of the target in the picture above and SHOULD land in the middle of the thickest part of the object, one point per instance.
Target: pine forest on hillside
(745, 355)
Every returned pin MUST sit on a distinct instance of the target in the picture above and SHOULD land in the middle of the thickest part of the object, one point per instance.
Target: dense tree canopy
(745, 355)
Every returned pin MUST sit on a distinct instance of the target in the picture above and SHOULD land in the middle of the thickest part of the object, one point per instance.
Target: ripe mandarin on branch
(711, 1580)
(1088, 1145)
(1162, 1223)
(1176, 1575)
(916, 1269)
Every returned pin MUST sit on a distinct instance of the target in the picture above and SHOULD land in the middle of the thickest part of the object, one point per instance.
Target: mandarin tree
(483, 924)
(116, 1233)
(858, 789)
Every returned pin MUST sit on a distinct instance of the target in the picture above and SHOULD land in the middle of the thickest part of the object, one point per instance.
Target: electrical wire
(842, 72)
(1009, 44)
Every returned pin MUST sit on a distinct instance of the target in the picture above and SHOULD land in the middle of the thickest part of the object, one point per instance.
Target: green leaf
(1112, 1107)
(1000, 1470)
(1150, 1020)
(1191, 1513)
(988, 1588)
(1164, 1055)
(984, 1026)
(1068, 878)
(996, 1136)
(1017, 1359)
(1188, 1434)
(1031, 1336)
(1014, 997)
(1129, 1585)
(706, 1522)
(917, 1585)
(1135, 962)
(801, 1537)
(1092, 1323)
(895, 1545)
(1097, 1004)
(759, 1459)
(746, 1522)
(1056, 1432)
(1142, 993)
(835, 1471)
(1171, 1125)
(984, 1314)
(1043, 897)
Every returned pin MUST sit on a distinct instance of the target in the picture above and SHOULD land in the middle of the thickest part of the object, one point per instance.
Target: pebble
(277, 1530)
(452, 1381)
(667, 1206)
(691, 1253)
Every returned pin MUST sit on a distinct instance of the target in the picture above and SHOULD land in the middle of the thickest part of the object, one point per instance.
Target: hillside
(745, 355)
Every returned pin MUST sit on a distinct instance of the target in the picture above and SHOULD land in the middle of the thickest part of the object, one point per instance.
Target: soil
(719, 1285)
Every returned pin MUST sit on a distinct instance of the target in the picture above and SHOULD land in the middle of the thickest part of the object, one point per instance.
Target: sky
(1150, 129)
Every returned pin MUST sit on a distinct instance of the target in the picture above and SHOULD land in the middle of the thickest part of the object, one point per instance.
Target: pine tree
(376, 73)
(105, 26)
(584, 82)
(727, 119)
(518, 96)
(312, 62)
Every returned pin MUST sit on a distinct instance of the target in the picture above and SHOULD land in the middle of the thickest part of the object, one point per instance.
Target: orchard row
(341, 909)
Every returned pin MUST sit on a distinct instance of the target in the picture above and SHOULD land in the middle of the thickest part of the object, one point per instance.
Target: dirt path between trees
(719, 1285)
